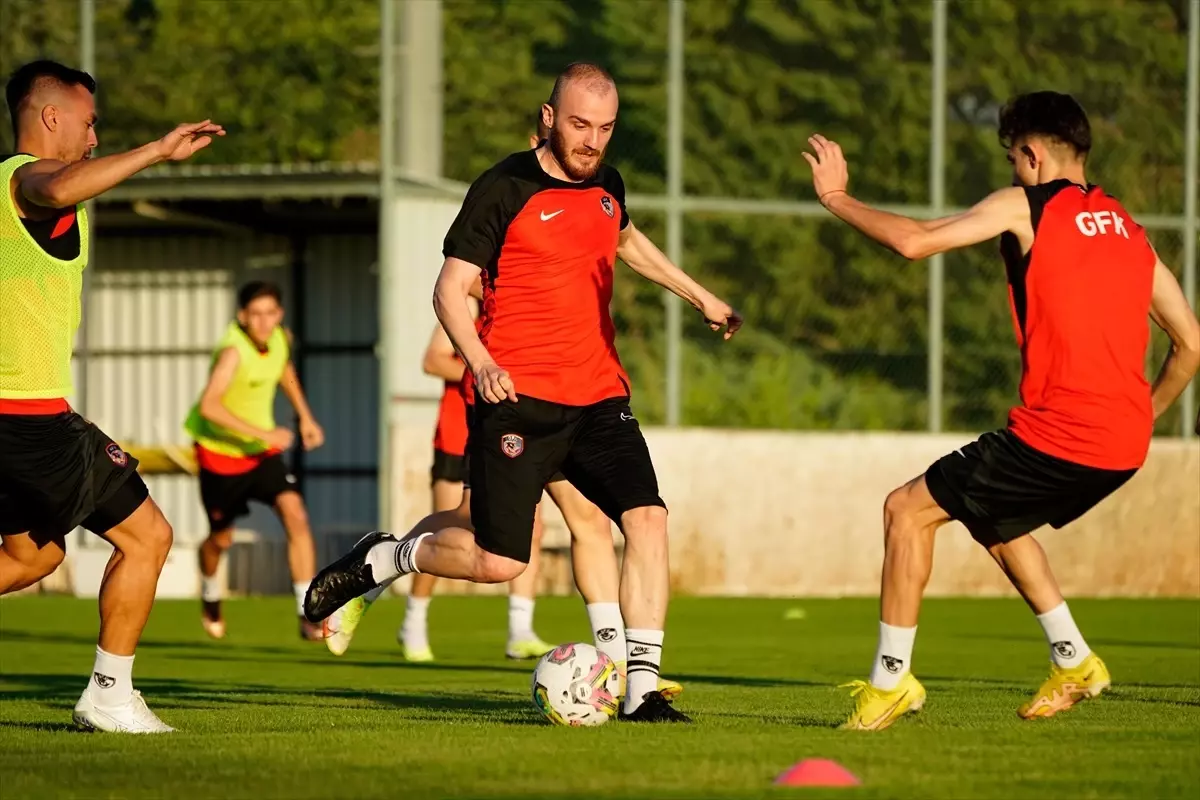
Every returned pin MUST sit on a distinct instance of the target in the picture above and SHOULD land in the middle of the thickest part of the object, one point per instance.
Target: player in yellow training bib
(239, 448)
(57, 470)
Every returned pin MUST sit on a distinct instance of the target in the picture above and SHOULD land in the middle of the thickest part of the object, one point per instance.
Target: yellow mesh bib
(250, 396)
(39, 304)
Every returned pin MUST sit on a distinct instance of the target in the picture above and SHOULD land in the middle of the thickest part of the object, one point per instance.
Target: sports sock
(645, 659)
(1067, 647)
(112, 679)
(608, 629)
(390, 560)
(298, 589)
(520, 618)
(210, 589)
(893, 657)
(414, 632)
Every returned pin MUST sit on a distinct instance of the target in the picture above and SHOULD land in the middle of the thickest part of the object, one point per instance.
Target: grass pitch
(264, 715)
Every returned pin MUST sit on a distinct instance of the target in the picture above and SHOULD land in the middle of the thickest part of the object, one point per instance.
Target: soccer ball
(576, 685)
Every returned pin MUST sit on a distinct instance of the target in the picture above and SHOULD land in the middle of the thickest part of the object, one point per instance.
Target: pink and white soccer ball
(576, 685)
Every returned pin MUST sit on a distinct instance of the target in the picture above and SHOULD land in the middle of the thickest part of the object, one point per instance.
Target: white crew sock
(112, 680)
(415, 630)
(1067, 647)
(893, 657)
(390, 560)
(374, 594)
(645, 660)
(608, 630)
(210, 589)
(520, 618)
(298, 589)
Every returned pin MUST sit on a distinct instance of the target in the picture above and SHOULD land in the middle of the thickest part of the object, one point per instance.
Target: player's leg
(610, 464)
(301, 555)
(505, 492)
(522, 596)
(27, 556)
(224, 498)
(141, 540)
(448, 496)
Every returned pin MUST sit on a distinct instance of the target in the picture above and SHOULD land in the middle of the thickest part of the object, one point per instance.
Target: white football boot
(132, 716)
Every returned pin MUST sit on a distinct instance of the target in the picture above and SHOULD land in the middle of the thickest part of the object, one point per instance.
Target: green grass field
(264, 715)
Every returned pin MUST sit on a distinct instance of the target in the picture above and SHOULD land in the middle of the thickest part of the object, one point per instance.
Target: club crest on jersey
(116, 454)
(606, 204)
(512, 445)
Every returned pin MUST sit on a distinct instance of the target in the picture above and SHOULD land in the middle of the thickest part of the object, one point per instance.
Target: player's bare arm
(312, 435)
(1006, 210)
(1170, 311)
(452, 304)
(53, 184)
(214, 410)
(644, 258)
(441, 359)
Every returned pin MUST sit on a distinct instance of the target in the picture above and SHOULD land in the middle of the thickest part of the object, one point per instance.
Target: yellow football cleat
(339, 627)
(876, 709)
(527, 648)
(416, 655)
(670, 690)
(1066, 686)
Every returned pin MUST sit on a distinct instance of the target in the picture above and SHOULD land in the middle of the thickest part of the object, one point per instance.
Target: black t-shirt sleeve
(616, 187)
(477, 232)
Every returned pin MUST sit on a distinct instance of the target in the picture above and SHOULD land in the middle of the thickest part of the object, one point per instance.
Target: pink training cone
(817, 772)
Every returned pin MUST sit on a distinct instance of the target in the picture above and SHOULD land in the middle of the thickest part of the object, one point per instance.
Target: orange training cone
(817, 772)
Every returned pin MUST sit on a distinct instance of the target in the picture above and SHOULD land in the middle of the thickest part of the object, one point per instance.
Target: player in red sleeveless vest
(1082, 280)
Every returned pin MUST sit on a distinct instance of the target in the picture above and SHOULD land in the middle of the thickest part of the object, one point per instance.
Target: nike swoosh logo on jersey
(546, 217)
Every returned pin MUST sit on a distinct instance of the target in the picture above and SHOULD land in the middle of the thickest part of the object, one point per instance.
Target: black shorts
(1001, 488)
(466, 457)
(448, 467)
(227, 497)
(59, 471)
(517, 448)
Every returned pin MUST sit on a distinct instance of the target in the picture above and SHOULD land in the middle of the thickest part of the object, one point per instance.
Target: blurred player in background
(239, 448)
(57, 470)
(1080, 301)
(543, 229)
(448, 478)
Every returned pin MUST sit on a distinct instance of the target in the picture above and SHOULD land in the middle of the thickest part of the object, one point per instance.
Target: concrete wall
(774, 513)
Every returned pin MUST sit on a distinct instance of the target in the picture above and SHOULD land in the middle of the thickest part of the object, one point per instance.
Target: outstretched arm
(312, 435)
(1005, 210)
(1170, 311)
(54, 184)
(644, 258)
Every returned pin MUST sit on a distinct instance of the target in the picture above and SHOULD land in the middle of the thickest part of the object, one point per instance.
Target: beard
(575, 163)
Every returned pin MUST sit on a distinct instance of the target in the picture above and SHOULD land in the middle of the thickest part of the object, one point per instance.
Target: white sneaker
(132, 716)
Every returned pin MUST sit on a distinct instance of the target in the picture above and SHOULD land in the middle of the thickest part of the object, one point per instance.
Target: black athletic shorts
(59, 471)
(465, 475)
(1001, 488)
(448, 467)
(227, 497)
(517, 448)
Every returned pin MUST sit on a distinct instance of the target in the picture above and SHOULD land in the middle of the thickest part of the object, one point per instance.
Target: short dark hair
(597, 78)
(25, 79)
(1051, 114)
(542, 130)
(256, 289)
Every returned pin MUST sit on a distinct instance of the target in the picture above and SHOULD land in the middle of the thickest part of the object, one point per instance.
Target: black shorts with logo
(227, 497)
(59, 471)
(1001, 488)
(517, 448)
(448, 467)
(465, 475)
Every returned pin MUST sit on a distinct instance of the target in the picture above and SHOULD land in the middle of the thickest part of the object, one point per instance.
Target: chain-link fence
(717, 100)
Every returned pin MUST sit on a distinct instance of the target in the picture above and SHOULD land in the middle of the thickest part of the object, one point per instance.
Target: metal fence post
(674, 320)
(937, 202)
(387, 244)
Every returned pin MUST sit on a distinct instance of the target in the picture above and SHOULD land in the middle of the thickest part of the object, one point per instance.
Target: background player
(57, 470)
(547, 373)
(448, 475)
(1083, 427)
(239, 448)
